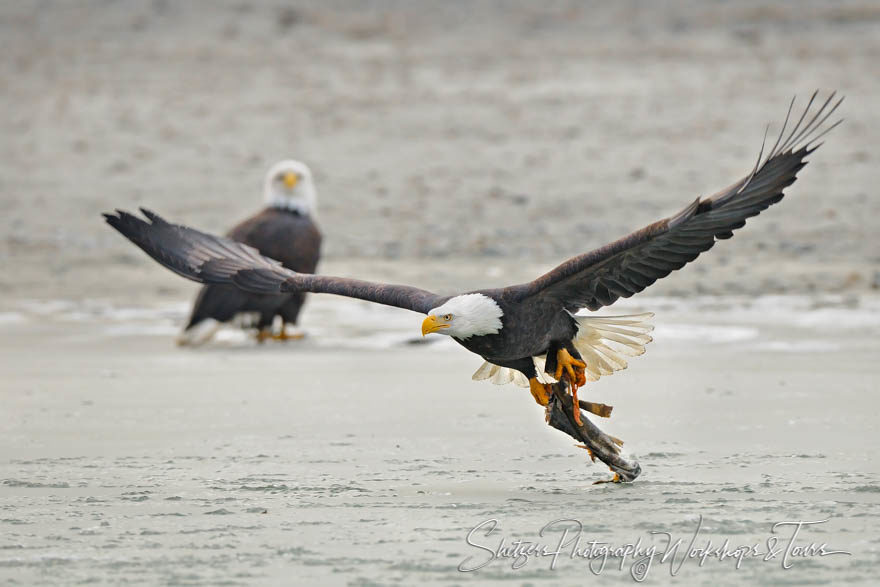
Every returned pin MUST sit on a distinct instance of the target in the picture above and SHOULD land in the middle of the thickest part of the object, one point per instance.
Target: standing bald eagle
(285, 230)
(511, 327)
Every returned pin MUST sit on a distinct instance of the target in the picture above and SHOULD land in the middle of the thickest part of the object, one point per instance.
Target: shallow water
(125, 459)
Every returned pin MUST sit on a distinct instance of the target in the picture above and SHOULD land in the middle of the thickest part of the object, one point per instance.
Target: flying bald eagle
(286, 231)
(515, 327)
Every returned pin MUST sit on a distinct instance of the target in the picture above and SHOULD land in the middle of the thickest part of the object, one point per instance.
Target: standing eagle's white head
(288, 185)
(465, 316)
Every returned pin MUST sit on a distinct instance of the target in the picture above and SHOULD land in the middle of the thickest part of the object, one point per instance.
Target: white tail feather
(604, 342)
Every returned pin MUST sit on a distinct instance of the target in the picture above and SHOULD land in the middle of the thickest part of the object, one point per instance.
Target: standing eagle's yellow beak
(432, 324)
(290, 179)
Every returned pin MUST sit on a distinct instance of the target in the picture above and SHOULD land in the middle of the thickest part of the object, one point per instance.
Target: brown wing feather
(207, 258)
(631, 264)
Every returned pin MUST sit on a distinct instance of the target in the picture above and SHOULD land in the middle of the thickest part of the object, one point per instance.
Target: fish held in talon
(601, 410)
(589, 452)
(518, 329)
(574, 369)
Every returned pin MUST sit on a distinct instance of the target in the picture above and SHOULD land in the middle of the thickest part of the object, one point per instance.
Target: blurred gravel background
(518, 132)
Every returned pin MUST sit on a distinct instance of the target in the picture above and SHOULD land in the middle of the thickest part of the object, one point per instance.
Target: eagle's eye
(447, 317)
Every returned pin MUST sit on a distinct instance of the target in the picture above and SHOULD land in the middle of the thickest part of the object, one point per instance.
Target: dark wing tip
(805, 133)
(119, 218)
(124, 222)
(152, 216)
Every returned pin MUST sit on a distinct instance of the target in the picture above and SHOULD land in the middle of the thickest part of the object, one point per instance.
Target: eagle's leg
(264, 334)
(575, 369)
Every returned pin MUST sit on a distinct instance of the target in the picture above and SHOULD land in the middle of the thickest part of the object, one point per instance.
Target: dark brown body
(279, 234)
(530, 327)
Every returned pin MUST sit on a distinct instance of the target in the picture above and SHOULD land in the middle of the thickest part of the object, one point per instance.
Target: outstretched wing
(207, 258)
(631, 264)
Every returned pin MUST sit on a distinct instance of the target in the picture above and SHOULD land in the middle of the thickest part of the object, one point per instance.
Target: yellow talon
(542, 392)
(574, 368)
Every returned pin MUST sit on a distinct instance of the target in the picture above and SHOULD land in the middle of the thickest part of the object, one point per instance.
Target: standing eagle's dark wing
(287, 236)
(631, 264)
(207, 258)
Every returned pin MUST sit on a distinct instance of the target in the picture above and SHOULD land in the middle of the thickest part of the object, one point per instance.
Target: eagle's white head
(288, 185)
(465, 316)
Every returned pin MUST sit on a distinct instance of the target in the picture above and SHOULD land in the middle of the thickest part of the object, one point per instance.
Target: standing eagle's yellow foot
(575, 369)
(266, 333)
(283, 335)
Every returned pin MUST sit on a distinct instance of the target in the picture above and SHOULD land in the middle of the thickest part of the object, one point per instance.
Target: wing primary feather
(809, 127)
(796, 126)
(760, 156)
(820, 135)
(785, 123)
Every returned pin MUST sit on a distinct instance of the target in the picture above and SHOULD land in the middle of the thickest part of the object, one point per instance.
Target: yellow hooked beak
(290, 179)
(432, 324)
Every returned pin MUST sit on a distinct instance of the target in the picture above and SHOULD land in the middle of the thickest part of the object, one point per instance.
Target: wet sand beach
(127, 459)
